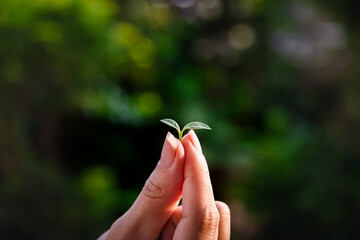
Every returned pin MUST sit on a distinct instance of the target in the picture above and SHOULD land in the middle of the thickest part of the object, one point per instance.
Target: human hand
(182, 172)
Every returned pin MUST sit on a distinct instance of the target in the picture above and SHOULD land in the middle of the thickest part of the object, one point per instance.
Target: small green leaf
(192, 125)
(171, 123)
(196, 125)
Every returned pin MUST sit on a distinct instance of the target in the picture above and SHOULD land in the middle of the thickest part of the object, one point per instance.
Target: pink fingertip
(169, 150)
(195, 140)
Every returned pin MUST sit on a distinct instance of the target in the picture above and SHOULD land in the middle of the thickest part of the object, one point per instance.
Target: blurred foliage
(83, 84)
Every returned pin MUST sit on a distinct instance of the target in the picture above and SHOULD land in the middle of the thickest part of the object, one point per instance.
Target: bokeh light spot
(97, 180)
(48, 32)
(209, 9)
(241, 36)
(149, 103)
(158, 16)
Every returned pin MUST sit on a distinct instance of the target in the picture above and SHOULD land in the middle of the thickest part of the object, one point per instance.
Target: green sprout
(191, 125)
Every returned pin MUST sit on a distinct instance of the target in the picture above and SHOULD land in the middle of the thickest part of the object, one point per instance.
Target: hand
(182, 172)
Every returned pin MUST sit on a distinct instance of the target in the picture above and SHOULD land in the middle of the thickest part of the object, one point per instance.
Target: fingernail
(195, 140)
(169, 151)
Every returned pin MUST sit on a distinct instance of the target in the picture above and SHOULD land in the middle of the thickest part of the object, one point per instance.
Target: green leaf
(196, 125)
(192, 125)
(171, 123)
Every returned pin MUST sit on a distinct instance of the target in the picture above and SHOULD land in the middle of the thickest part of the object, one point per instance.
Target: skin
(182, 172)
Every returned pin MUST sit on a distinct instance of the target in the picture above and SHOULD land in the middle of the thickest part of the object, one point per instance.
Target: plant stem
(180, 135)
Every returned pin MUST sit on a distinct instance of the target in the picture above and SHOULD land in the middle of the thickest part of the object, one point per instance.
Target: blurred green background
(84, 83)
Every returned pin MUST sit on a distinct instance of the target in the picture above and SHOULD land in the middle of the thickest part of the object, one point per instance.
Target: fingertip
(180, 151)
(195, 140)
(223, 208)
(170, 139)
(225, 220)
(186, 142)
(169, 150)
(185, 137)
(192, 132)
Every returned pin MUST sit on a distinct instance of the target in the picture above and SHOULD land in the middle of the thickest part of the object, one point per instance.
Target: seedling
(191, 125)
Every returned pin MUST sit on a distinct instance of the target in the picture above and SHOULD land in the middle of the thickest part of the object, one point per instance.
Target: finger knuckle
(208, 217)
(154, 188)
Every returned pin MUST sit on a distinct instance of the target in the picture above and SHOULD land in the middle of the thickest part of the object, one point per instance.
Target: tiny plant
(191, 125)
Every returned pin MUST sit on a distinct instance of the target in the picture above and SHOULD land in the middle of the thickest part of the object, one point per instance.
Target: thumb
(163, 188)
(159, 197)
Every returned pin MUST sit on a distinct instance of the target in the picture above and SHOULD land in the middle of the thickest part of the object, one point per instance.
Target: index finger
(198, 202)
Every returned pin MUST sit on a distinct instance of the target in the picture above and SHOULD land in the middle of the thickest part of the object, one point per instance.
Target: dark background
(84, 83)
